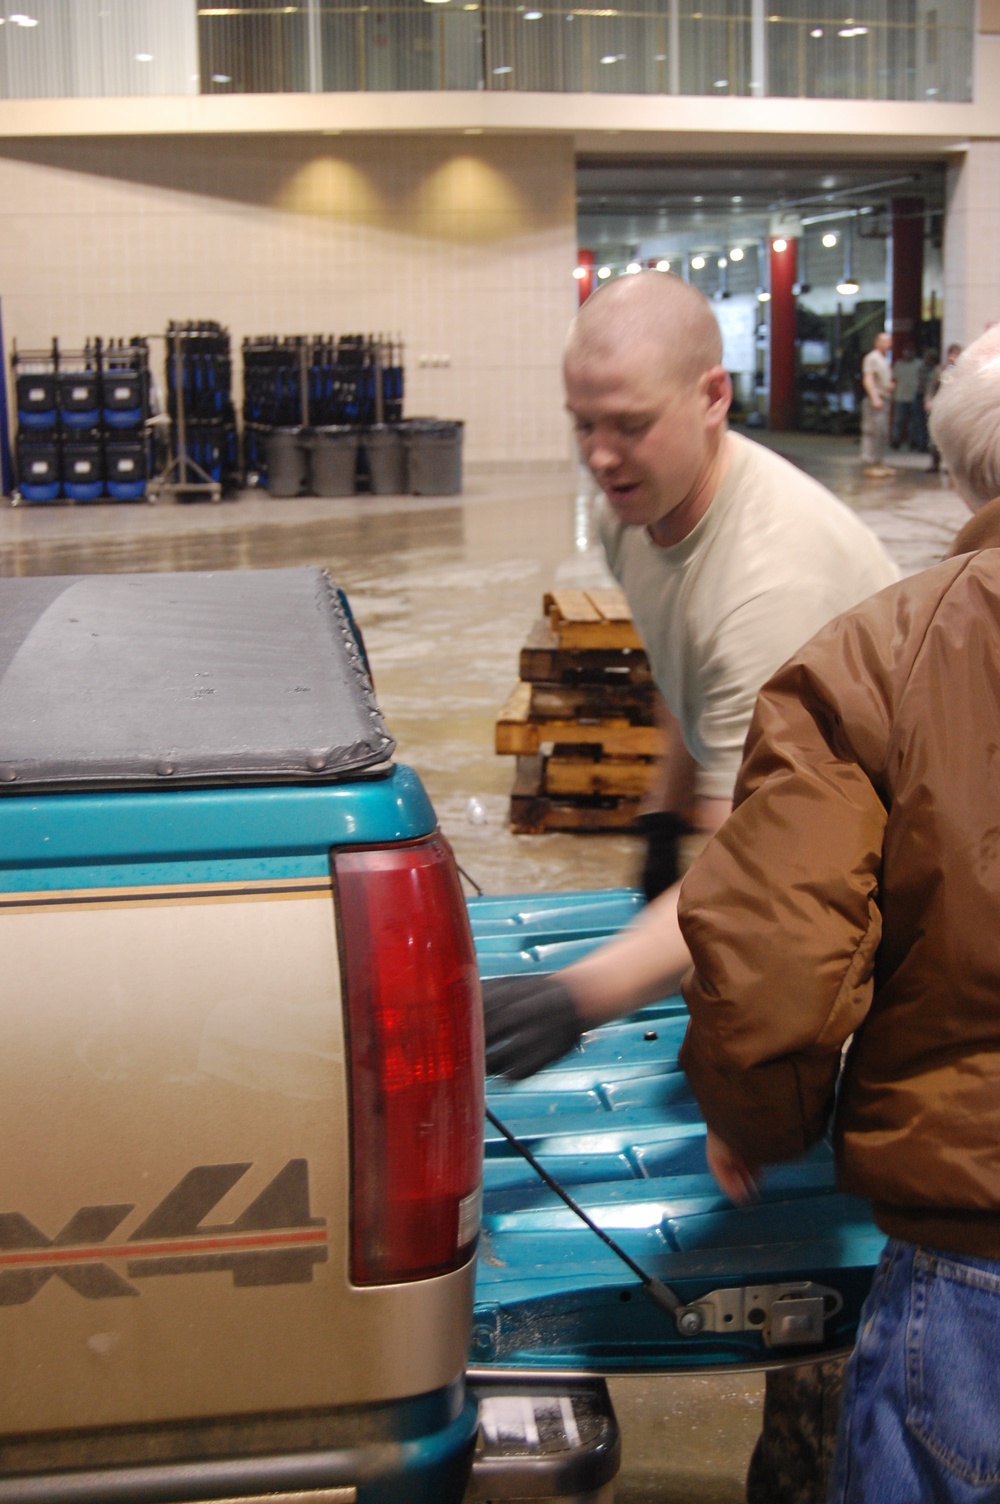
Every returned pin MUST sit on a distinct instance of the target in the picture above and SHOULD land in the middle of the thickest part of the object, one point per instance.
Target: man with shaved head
(731, 559)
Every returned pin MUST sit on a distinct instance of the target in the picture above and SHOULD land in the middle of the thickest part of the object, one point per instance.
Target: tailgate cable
(654, 1288)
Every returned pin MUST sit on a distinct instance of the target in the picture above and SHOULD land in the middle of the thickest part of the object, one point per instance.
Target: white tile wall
(972, 235)
(465, 248)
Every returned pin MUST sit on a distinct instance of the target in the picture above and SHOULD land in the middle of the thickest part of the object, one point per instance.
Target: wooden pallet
(543, 661)
(535, 812)
(591, 619)
(518, 733)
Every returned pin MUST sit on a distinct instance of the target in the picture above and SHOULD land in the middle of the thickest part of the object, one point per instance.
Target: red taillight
(416, 1061)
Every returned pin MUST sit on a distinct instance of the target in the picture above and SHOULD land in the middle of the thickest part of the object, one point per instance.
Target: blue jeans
(921, 1409)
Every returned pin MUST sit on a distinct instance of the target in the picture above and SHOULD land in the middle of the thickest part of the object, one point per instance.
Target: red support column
(907, 273)
(781, 407)
(585, 283)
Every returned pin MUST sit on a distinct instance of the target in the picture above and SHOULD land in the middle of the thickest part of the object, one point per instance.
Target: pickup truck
(243, 1178)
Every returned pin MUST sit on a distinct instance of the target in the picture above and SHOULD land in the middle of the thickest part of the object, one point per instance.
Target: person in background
(876, 379)
(877, 922)
(729, 557)
(931, 391)
(920, 438)
(905, 376)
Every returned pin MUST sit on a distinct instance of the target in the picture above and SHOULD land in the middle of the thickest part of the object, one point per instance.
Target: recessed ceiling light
(610, 57)
(722, 263)
(532, 15)
(579, 272)
(22, 20)
(779, 245)
(847, 289)
(737, 198)
(817, 31)
(603, 272)
(221, 78)
(504, 69)
(633, 268)
(698, 199)
(721, 83)
(829, 240)
(144, 57)
(698, 263)
(663, 266)
(736, 254)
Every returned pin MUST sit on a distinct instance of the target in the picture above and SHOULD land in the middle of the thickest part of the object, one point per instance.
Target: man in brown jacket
(855, 891)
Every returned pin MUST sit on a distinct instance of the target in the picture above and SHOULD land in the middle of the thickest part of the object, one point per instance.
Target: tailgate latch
(791, 1315)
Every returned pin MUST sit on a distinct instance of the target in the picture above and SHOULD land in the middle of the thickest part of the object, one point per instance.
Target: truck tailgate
(615, 1123)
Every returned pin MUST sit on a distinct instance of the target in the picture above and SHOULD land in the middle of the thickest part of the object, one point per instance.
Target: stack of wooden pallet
(581, 722)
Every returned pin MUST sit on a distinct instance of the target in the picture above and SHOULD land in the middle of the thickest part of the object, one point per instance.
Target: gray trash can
(433, 457)
(334, 461)
(383, 444)
(287, 458)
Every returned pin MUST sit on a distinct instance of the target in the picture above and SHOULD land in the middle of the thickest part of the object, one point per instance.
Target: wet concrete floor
(445, 591)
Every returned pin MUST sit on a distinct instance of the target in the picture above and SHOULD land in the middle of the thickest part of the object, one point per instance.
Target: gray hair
(965, 420)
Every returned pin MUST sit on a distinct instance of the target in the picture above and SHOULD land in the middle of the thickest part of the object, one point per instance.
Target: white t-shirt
(876, 365)
(774, 558)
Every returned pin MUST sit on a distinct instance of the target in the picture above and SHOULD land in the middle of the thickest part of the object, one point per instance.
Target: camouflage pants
(791, 1461)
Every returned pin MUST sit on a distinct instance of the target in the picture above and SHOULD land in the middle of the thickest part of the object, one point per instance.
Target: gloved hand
(663, 829)
(530, 1021)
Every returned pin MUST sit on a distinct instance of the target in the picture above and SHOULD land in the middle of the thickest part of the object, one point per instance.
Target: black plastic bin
(83, 469)
(39, 469)
(545, 1438)
(386, 452)
(36, 400)
(334, 453)
(126, 467)
(287, 460)
(433, 456)
(79, 398)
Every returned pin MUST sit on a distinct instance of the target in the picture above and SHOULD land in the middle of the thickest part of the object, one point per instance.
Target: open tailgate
(616, 1124)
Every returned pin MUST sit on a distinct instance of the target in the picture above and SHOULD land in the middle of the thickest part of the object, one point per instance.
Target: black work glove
(530, 1021)
(663, 829)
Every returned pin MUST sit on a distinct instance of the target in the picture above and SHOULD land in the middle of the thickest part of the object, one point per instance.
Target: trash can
(334, 454)
(433, 457)
(545, 1438)
(286, 457)
(383, 444)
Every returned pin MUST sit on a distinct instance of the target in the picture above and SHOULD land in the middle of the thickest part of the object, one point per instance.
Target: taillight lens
(415, 1027)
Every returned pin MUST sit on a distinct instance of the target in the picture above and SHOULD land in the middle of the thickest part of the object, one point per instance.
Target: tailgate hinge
(791, 1315)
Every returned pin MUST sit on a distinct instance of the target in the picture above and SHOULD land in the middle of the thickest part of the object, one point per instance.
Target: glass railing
(897, 49)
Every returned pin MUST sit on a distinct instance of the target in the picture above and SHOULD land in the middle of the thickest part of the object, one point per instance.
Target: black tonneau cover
(140, 679)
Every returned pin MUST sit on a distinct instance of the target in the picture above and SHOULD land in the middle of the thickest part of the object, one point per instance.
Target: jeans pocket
(952, 1360)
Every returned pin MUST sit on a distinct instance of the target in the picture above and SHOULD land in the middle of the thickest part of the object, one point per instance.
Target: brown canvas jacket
(855, 889)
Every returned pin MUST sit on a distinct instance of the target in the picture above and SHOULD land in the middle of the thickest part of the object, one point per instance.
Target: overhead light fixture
(632, 268)
(532, 15)
(504, 69)
(721, 83)
(817, 31)
(847, 286)
(663, 266)
(722, 263)
(737, 198)
(779, 245)
(698, 199)
(612, 57)
(698, 263)
(763, 297)
(224, 78)
(579, 272)
(829, 240)
(736, 254)
(21, 20)
(659, 57)
(144, 57)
